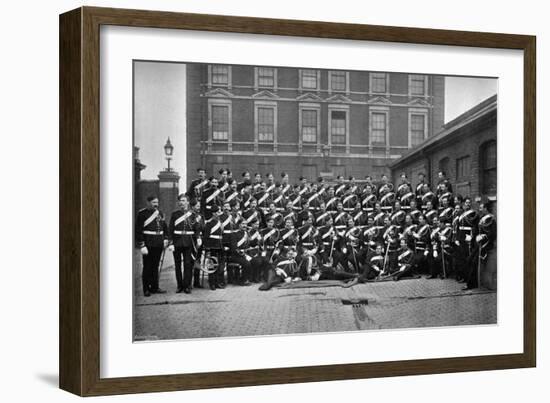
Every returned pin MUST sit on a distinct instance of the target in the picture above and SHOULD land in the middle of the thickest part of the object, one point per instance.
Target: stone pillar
(168, 191)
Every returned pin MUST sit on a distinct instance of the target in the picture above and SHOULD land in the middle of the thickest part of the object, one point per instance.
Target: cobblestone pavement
(246, 311)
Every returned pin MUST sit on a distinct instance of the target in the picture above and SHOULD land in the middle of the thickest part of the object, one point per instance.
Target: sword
(161, 260)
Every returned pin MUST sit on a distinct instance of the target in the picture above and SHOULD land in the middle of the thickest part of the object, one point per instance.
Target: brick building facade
(466, 150)
(308, 122)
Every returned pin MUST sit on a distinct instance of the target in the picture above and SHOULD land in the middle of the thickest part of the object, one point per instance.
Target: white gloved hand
(199, 242)
(468, 238)
(435, 254)
(426, 253)
(345, 250)
(166, 243)
(443, 238)
(288, 279)
(457, 243)
(144, 250)
(171, 248)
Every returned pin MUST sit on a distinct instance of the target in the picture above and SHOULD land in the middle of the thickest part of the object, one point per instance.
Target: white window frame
(425, 95)
(338, 108)
(371, 79)
(257, 85)
(379, 109)
(345, 90)
(309, 106)
(229, 76)
(417, 111)
(265, 104)
(220, 102)
(301, 71)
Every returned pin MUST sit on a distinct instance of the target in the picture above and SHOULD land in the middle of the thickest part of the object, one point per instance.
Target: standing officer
(467, 227)
(151, 235)
(211, 197)
(198, 185)
(212, 240)
(184, 233)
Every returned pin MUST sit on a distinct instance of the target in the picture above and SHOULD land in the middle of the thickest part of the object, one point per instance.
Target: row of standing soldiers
(273, 232)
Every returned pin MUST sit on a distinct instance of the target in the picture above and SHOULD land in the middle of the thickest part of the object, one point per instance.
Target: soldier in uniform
(286, 188)
(413, 211)
(269, 241)
(397, 217)
(198, 185)
(340, 187)
(222, 181)
(184, 235)
(359, 215)
(232, 194)
(368, 199)
(246, 179)
(274, 215)
(260, 262)
(212, 242)
(313, 198)
(422, 186)
(151, 235)
(270, 183)
(279, 199)
(307, 248)
(240, 243)
(349, 201)
(372, 269)
(211, 197)
(322, 216)
(252, 213)
(422, 244)
(331, 200)
(430, 213)
(199, 219)
(408, 229)
(439, 259)
(484, 244)
(443, 184)
(405, 262)
(229, 226)
(258, 183)
(341, 219)
(305, 214)
(326, 237)
(465, 237)
(283, 269)
(289, 213)
(289, 236)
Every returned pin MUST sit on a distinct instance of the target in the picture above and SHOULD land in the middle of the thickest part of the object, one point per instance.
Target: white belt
(228, 231)
(465, 228)
(184, 233)
(153, 232)
(216, 236)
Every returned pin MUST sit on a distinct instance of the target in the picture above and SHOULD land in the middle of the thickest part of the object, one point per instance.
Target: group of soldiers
(259, 230)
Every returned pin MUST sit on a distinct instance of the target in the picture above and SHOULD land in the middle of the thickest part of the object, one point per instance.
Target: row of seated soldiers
(388, 236)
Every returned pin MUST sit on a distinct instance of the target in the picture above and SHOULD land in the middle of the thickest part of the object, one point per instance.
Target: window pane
(463, 168)
(490, 155)
(220, 122)
(417, 129)
(309, 126)
(266, 77)
(417, 85)
(266, 124)
(220, 74)
(378, 132)
(338, 127)
(378, 81)
(309, 79)
(489, 164)
(338, 81)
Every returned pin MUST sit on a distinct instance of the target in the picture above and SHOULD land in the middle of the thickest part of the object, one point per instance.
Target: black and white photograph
(273, 200)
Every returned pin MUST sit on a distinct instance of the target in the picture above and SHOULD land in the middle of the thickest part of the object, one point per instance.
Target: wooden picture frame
(80, 198)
